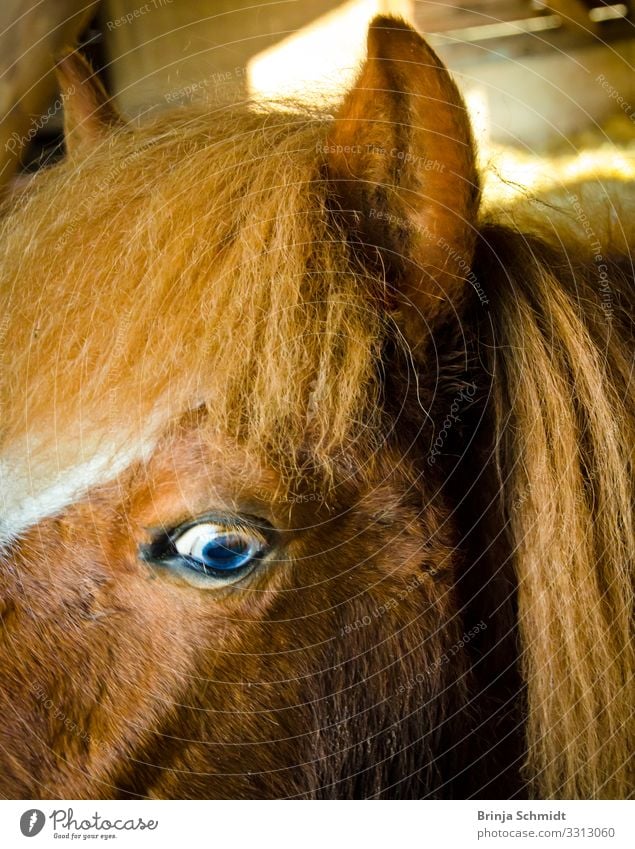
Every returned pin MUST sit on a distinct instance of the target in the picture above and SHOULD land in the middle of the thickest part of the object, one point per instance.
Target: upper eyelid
(223, 530)
(161, 538)
(230, 521)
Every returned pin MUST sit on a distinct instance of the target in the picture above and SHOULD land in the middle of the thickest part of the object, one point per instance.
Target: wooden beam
(574, 14)
(460, 54)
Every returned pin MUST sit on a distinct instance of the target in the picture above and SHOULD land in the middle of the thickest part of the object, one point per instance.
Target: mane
(562, 415)
(123, 321)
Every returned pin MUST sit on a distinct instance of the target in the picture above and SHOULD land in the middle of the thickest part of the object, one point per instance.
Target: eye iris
(226, 553)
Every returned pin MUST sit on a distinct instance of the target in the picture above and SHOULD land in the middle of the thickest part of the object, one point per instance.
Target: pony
(316, 476)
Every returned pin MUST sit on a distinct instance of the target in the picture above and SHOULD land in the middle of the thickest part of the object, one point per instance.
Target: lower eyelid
(176, 567)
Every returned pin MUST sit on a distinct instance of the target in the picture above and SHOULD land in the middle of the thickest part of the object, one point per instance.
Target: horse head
(236, 542)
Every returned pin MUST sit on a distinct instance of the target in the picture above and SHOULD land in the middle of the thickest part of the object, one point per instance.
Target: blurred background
(549, 83)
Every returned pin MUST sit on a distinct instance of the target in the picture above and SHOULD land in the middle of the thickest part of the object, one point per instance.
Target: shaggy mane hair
(562, 415)
(140, 352)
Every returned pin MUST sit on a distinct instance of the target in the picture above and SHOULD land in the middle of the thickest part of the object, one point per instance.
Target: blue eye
(215, 549)
(209, 553)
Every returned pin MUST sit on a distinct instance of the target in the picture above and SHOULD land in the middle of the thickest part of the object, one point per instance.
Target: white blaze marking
(29, 494)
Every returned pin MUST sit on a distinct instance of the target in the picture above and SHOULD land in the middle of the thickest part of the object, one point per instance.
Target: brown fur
(232, 314)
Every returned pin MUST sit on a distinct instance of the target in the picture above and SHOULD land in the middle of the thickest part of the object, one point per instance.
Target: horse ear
(88, 111)
(401, 160)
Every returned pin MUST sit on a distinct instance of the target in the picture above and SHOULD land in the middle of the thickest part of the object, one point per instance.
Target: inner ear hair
(89, 113)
